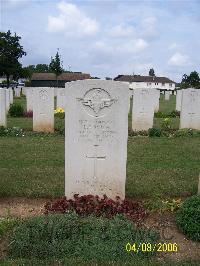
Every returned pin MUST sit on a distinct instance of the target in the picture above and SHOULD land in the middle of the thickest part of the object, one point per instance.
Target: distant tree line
(192, 80)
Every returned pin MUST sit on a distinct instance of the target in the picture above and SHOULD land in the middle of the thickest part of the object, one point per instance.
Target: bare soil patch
(162, 221)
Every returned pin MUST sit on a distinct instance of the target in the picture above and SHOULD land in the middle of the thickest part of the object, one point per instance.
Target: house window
(163, 84)
(170, 84)
(148, 83)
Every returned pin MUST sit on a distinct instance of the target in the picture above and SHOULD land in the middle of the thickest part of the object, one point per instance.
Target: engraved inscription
(96, 101)
(98, 130)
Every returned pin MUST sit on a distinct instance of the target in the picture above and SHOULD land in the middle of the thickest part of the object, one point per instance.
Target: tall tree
(10, 52)
(151, 72)
(55, 66)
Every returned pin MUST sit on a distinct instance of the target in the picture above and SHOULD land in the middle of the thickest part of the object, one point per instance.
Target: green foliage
(188, 217)
(16, 110)
(27, 83)
(6, 224)
(193, 80)
(11, 132)
(155, 132)
(166, 124)
(187, 132)
(172, 114)
(151, 72)
(55, 65)
(60, 236)
(10, 52)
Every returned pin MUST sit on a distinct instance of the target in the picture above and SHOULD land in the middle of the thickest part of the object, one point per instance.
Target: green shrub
(16, 110)
(160, 114)
(27, 83)
(72, 236)
(155, 132)
(188, 217)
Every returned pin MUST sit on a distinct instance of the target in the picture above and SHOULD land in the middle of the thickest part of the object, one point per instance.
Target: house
(49, 79)
(138, 81)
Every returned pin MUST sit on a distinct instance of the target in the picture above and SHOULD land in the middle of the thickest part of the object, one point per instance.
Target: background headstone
(61, 98)
(96, 132)
(3, 107)
(143, 108)
(157, 100)
(167, 95)
(11, 95)
(7, 100)
(190, 109)
(178, 100)
(17, 92)
(43, 109)
(29, 98)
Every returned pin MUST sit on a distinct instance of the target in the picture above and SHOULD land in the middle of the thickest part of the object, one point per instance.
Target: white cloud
(179, 59)
(122, 30)
(72, 21)
(129, 47)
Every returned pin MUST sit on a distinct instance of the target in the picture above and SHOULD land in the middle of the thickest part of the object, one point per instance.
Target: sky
(107, 38)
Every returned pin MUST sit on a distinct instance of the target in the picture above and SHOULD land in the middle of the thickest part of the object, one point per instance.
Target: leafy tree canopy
(10, 52)
(151, 72)
(193, 80)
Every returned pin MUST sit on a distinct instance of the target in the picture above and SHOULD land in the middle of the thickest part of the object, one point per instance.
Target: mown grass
(34, 166)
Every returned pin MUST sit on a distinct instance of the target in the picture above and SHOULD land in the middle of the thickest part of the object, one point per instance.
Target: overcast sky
(107, 38)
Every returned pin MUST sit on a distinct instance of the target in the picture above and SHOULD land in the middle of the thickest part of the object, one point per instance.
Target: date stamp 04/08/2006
(149, 247)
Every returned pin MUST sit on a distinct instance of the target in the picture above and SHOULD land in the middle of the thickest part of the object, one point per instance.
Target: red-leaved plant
(89, 204)
(28, 114)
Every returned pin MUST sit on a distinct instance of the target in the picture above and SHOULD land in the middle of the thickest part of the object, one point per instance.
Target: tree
(10, 52)
(55, 66)
(42, 68)
(193, 80)
(151, 72)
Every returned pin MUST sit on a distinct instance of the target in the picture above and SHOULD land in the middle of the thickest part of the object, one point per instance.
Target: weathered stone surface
(29, 98)
(96, 132)
(61, 98)
(190, 109)
(143, 109)
(7, 100)
(11, 95)
(43, 109)
(167, 95)
(178, 100)
(17, 92)
(3, 120)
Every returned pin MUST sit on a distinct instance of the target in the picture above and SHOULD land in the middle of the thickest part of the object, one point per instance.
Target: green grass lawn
(34, 166)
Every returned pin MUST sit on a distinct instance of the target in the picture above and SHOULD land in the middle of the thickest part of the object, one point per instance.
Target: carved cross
(96, 157)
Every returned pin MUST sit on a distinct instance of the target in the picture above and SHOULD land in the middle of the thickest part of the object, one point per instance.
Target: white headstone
(167, 95)
(178, 100)
(17, 91)
(157, 100)
(3, 107)
(143, 108)
(29, 98)
(24, 90)
(11, 95)
(43, 109)
(96, 132)
(61, 98)
(190, 109)
(7, 100)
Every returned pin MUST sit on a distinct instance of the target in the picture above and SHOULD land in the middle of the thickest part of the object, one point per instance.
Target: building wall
(165, 86)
